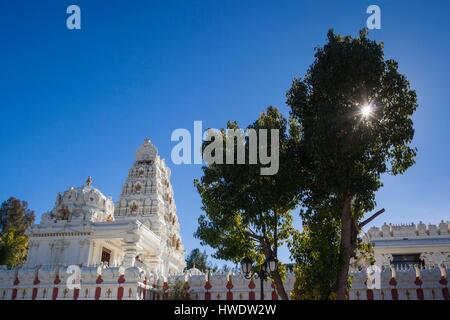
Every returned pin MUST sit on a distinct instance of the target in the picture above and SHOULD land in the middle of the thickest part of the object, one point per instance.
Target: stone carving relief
(137, 188)
(435, 258)
(134, 207)
(63, 213)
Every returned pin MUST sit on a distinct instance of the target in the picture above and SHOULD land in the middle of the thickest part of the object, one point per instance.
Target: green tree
(316, 253)
(15, 214)
(13, 248)
(15, 218)
(179, 291)
(199, 260)
(246, 213)
(354, 111)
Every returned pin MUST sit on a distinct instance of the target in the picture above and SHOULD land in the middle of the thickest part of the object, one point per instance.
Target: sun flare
(366, 110)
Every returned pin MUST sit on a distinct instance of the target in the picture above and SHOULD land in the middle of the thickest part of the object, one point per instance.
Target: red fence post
(394, 291)
(165, 293)
(14, 293)
(76, 293)
(35, 290)
(34, 294)
(121, 280)
(98, 290)
(251, 294)
(208, 286)
(419, 290)
(120, 293)
(274, 292)
(229, 292)
(445, 293)
(55, 289)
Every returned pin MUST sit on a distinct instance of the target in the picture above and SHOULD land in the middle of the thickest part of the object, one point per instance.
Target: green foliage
(316, 253)
(346, 153)
(198, 260)
(246, 213)
(14, 214)
(244, 208)
(364, 255)
(13, 248)
(15, 218)
(179, 291)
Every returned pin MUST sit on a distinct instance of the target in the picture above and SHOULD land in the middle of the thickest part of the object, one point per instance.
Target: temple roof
(146, 152)
(83, 203)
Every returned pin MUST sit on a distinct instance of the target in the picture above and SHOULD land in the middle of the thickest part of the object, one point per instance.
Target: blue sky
(79, 103)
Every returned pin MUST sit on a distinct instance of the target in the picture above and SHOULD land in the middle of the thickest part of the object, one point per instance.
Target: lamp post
(265, 270)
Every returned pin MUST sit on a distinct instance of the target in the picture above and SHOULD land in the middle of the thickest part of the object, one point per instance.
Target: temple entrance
(106, 256)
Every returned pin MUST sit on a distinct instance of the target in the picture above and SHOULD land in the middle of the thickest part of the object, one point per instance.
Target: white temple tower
(147, 196)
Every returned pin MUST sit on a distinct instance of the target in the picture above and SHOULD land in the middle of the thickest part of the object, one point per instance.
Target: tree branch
(253, 235)
(376, 214)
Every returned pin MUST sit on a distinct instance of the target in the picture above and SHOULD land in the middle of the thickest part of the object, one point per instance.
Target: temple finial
(89, 182)
(146, 152)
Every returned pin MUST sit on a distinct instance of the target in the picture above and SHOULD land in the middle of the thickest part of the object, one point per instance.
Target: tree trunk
(280, 286)
(276, 275)
(346, 249)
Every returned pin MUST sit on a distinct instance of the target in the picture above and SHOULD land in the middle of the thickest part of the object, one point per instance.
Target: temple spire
(147, 151)
(89, 181)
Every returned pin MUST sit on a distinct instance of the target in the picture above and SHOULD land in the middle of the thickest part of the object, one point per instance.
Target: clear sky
(79, 103)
